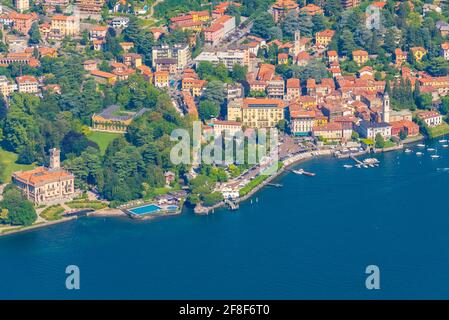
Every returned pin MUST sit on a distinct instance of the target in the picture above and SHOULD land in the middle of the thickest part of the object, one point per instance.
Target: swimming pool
(147, 209)
(152, 208)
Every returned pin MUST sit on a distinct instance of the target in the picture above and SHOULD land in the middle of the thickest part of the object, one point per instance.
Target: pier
(356, 160)
(232, 205)
(276, 185)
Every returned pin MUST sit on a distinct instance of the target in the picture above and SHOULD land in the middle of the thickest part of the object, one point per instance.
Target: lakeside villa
(44, 185)
(113, 119)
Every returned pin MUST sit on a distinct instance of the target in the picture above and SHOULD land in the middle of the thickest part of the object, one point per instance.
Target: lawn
(9, 159)
(102, 139)
(439, 131)
(52, 213)
(85, 204)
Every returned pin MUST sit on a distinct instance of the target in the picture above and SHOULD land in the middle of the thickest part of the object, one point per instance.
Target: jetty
(356, 160)
(276, 185)
(232, 205)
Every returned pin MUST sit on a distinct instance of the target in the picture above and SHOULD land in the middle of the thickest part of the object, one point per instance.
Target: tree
(262, 25)
(346, 44)
(379, 141)
(239, 72)
(208, 109)
(20, 210)
(75, 143)
(34, 33)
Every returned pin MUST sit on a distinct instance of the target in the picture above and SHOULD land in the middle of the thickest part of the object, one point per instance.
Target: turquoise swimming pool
(150, 208)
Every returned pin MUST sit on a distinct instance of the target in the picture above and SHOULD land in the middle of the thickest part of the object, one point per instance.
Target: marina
(104, 247)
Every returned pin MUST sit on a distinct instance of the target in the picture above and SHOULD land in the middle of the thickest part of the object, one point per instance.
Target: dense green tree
(20, 210)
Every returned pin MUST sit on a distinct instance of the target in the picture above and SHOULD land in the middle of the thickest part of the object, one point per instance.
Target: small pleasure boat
(419, 153)
(408, 150)
(421, 145)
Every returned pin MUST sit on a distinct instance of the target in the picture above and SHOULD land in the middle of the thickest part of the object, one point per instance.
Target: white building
(431, 118)
(371, 129)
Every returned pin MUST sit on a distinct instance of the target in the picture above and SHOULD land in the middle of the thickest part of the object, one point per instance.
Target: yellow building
(46, 185)
(112, 119)
(262, 112)
(161, 79)
(418, 53)
(62, 26)
(103, 77)
(360, 57)
(323, 38)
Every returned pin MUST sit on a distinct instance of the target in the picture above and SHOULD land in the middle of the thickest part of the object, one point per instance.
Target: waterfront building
(262, 112)
(333, 131)
(220, 126)
(301, 121)
(431, 118)
(113, 119)
(46, 185)
(409, 127)
(369, 129)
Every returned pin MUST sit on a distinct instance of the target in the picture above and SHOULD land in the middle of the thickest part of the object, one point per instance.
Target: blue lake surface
(313, 238)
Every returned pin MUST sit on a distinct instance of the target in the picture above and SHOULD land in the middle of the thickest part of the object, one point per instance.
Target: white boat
(300, 171)
(435, 156)
(442, 141)
(430, 149)
(347, 166)
(419, 153)
(408, 150)
(445, 145)
(421, 145)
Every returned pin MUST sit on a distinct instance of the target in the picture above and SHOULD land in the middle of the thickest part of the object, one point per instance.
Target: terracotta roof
(42, 175)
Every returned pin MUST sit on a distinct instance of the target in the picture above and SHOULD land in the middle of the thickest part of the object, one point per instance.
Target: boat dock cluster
(366, 163)
(432, 151)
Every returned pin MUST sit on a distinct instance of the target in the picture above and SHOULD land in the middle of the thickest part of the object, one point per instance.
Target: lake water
(312, 238)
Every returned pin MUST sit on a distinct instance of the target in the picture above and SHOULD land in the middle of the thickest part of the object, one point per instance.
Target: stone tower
(297, 43)
(386, 107)
(55, 159)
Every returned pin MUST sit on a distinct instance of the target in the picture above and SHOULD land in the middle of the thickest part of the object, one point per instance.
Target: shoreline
(298, 159)
(201, 210)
